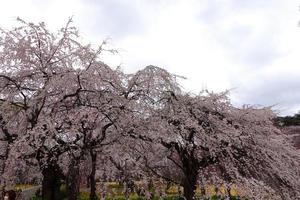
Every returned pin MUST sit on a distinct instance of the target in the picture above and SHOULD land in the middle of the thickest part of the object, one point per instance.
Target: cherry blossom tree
(60, 105)
(45, 79)
(204, 136)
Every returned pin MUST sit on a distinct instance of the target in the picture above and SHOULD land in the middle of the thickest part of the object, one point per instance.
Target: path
(29, 193)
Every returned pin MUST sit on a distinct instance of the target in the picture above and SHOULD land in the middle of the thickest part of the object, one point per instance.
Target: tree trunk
(92, 175)
(3, 163)
(73, 181)
(88, 184)
(189, 187)
(190, 169)
(51, 183)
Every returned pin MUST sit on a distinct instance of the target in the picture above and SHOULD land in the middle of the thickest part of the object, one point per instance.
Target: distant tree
(289, 120)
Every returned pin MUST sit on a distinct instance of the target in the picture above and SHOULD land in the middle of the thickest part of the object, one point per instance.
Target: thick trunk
(73, 181)
(92, 175)
(189, 187)
(190, 169)
(51, 183)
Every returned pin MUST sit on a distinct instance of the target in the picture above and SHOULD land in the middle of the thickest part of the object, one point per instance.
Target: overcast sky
(249, 46)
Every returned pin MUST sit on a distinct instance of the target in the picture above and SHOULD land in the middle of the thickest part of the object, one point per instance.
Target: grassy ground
(114, 191)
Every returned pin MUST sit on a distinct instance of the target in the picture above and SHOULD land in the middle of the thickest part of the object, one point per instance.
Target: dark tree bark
(190, 167)
(88, 184)
(92, 175)
(189, 186)
(51, 183)
(73, 181)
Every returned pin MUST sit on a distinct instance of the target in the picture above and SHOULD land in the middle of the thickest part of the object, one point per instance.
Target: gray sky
(250, 46)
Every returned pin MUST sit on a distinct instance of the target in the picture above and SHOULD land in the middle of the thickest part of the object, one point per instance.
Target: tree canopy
(62, 109)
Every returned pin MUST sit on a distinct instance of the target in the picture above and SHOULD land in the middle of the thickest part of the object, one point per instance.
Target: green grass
(117, 194)
(82, 196)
